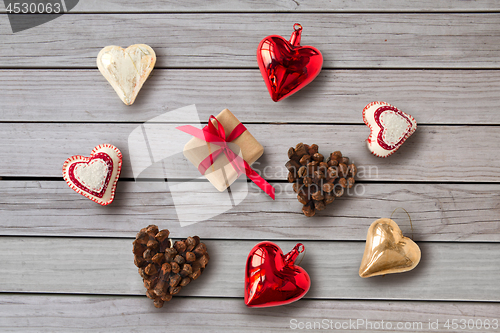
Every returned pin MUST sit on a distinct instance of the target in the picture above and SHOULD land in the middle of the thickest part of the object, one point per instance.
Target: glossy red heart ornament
(95, 177)
(286, 66)
(272, 279)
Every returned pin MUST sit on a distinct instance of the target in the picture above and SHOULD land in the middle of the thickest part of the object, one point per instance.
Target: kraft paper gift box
(222, 174)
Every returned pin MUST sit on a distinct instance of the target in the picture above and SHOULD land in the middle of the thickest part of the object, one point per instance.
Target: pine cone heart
(317, 181)
(166, 268)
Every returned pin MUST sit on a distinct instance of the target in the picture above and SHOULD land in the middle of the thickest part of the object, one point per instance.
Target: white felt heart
(390, 127)
(126, 69)
(92, 174)
(395, 127)
(95, 177)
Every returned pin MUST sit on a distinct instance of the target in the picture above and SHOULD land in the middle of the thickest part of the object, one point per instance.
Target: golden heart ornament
(126, 69)
(387, 251)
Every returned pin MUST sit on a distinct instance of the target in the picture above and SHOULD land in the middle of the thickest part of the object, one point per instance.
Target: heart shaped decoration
(271, 278)
(286, 66)
(126, 69)
(317, 179)
(167, 267)
(390, 127)
(95, 177)
(387, 250)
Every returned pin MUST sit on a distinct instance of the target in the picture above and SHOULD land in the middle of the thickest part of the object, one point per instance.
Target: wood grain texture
(85, 96)
(437, 60)
(193, 6)
(439, 212)
(105, 266)
(433, 153)
(230, 41)
(133, 314)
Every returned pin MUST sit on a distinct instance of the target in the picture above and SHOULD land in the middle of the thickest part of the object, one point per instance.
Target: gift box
(220, 171)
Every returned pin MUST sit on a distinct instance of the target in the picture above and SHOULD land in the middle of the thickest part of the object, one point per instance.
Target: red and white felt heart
(95, 177)
(390, 127)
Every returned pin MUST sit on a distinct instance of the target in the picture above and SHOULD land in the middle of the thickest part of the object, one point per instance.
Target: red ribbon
(217, 135)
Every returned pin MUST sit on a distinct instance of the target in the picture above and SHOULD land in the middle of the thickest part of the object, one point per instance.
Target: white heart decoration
(126, 69)
(92, 175)
(390, 128)
(95, 177)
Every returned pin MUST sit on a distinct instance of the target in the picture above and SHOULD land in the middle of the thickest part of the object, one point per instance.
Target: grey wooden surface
(460, 93)
(103, 266)
(382, 40)
(66, 263)
(440, 212)
(427, 155)
(130, 314)
(331, 6)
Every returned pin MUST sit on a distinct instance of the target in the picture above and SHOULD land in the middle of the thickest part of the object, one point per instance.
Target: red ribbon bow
(210, 133)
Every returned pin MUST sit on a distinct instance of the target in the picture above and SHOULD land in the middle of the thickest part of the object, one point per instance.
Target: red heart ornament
(286, 66)
(272, 279)
(390, 127)
(95, 177)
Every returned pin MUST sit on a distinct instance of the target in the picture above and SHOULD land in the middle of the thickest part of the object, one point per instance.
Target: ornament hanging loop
(411, 224)
(295, 38)
(303, 251)
(292, 255)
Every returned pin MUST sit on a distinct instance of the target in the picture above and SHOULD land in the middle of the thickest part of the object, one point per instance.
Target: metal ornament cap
(387, 251)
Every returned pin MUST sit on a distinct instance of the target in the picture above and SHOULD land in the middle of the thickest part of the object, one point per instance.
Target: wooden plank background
(66, 263)
(460, 93)
(228, 41)
(329, 6)
(103, 266)
(427, 157)
(115, 313)
(440, 212)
